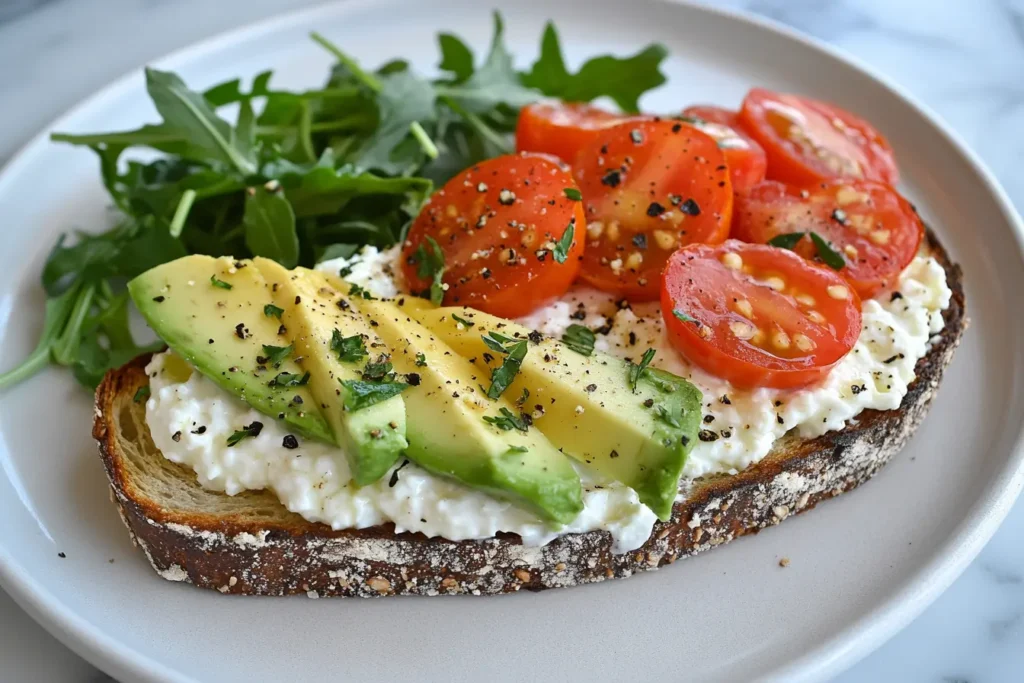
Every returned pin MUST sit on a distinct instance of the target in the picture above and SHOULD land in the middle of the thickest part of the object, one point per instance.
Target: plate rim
(850, 644)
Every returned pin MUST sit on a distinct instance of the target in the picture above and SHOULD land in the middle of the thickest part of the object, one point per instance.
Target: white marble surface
(964, 58)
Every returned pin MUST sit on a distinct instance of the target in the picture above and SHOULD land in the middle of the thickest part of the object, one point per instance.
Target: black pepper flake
(725, 400)
(158, 299)
(578, 314)
(726, 433)
(677, 127)
(613, 454)
(690, 207)
(708, 419)
(612, 178)
(199, 430)
(282, 330)
(640, 240)
(298, 299)
(895, 297)
(893, 359)
(61, 555)
(707, 435)
(240, 331)
(290, 442)
(590, 388)
(297, 400)
(176, 437)
(535, 336)
(209, 341)
(604, 329)
(655, 209)
(413, 379)
(778, 418)
(632, 338)
(857, 388)
(649, 403)
(344, 305)
(394, 476)
(684, 439)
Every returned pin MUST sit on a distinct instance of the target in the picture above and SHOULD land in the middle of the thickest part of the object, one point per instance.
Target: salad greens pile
(298, 177)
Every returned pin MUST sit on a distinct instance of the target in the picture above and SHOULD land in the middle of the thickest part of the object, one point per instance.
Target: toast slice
(250, 544)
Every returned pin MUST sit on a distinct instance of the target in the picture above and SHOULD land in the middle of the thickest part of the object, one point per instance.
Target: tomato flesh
(498, 224)
(874, 229)
(648, 187)
(745, 158)
(561, 129)
(809, 141)
(756, 315)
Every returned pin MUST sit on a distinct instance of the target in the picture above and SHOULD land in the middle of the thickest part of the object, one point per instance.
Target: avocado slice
(447, 433)
(210, 311)
(586, 406)
(334, 343)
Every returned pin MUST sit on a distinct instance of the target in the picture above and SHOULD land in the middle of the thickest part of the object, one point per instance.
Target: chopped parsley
(666, 416)
(579, 338)
(636, 370)
(249, 431)
(142, 394)
(275, 355)
(573, 194)
(378, 371)
(829, 256)
(349, 349)
(421, 360)
(683, 316)
(564, 244)
(363, 394)
(462, 321)
(514, 351)
(272, 311)
(289, 379)
(518, 449)
(786, 240)
(522, 399)
(507, 421)
(431, 264)
(219, 283)
(356, 290)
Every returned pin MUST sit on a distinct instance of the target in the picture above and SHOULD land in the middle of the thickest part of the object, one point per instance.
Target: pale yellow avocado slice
(446, 430)
(586, 406)
(317, 315)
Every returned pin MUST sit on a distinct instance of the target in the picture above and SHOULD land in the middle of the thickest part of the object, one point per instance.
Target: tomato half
(758, 316)
(745, 158)
(561, 128)
(808, 141)
(499, 225)
(876, 231)
(648, 187)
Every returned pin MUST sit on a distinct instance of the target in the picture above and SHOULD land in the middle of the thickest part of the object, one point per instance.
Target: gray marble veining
(963, 58)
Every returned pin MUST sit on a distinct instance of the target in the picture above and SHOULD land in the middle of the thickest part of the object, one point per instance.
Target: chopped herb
(349, 349)
(289, 379)
(356, 290)
(142, 394)
(666, 416)
(219, 283)
(786, 240)
(829, 256)
(579, 338)
(523, 398)
(363, 394)
(378, 371)
(272, 311)
(573, 194)
(249, 431)
(563, 245)
(636, 370)
(514, 351)
(507, 421)
(462, 321)
(683, 316)
(275, 355)
(518, 449)
(431, 264)
(421, 360)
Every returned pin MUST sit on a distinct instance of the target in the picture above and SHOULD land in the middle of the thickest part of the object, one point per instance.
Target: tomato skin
(514, 202)
(745, 158)
(649, 186)
(809, 141)
(562, 128)
(721, 300)
(877, 231)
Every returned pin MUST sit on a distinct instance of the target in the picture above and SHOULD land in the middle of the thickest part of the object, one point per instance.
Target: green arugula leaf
(270, 227)
(430, 263)
(456, 57)
(404, 99)
(275, 355)
(362, 394)
(272, 311)
(828, 255)
(507, 421)
(579, 338)
(250, 431)
(564, 243)
(623, 79)
(349, 349)
(787, 240)
(636, 370)
(289, 379)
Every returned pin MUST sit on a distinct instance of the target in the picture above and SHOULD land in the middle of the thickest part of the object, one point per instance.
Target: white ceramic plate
(862, 566)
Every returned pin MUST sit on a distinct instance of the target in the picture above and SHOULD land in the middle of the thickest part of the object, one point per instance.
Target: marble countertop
(963, 58)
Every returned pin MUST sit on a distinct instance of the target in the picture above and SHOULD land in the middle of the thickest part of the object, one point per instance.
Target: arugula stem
(369, 80)
(66, 345)
(348, 123)
(36, 361)
(181, 213)
(478, 124)
(305, 134)
(429, 148)
(123, 137)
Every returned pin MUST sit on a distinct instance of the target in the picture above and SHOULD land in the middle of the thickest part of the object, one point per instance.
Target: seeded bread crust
(254, 546)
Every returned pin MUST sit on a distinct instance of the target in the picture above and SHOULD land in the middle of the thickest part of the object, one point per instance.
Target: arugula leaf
(275, 355)
(636, 370)
(430, 260)
(564, 244)
(270, 227)
(456, 57)
(404, 99)
(272, 311)
(623, 79)
(362, 394)
(289, 379)
(579, 338)
(250, 431)
(349, 349)
(786, 240)
(507, 420)
(829, 256)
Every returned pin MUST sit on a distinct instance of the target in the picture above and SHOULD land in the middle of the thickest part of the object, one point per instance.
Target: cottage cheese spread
(313, 481)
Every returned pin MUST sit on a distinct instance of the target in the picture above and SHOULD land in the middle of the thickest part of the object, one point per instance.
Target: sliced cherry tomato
(649, 186)
(745, 158)
(874, 229)
(808, 141)
(758, 316)
(561, 129)
(500, 226)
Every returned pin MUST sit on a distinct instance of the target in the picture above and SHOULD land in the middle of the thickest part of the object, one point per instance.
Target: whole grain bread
(250, 544)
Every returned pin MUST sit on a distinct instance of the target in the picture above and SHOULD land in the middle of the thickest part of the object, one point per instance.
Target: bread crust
(233, 554)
